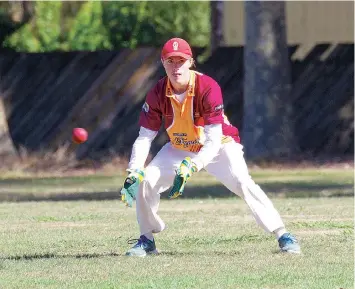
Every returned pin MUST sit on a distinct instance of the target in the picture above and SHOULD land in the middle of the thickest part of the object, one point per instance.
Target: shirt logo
(184, 142)
(145, 107)
(219, 107)
(175, 46)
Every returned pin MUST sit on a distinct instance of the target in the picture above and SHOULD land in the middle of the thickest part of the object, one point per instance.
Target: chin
(178, 78)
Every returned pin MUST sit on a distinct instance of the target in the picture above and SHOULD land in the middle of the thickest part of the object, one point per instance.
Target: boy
(200, 135)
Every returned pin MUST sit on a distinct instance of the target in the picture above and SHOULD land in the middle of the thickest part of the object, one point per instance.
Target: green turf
(210, 243)
(281, 183)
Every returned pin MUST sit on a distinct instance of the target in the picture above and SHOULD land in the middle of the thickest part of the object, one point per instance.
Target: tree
(6, 143)
(87, 31)
(41, 32)
(13, 15)
(267, 124)
(149, 23)
(97, 25)
(217, 38)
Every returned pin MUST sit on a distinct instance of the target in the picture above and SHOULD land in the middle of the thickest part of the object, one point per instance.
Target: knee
(242, 180)
(242, 186)
(151, 176)
(148, 187)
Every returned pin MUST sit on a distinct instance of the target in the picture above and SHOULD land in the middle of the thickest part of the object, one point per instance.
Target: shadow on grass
(32, 257)
(192, 253)
(215, 253)
(58, 197)
(51, 255)
(277, 189)
(52, 181)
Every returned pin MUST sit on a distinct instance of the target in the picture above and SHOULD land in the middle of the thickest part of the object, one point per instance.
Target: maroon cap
(176, 47)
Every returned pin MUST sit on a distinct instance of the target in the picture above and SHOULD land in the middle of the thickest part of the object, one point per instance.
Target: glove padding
(183, 173)
(130, 187)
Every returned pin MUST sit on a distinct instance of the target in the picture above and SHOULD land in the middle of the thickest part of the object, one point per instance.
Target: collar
(190, 88)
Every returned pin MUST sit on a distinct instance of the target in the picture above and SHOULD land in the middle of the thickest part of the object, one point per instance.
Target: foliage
(42, 33)
(95, 25)
(151, 23)
(88, 32)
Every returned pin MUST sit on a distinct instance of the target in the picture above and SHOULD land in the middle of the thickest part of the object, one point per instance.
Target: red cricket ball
(79, 135)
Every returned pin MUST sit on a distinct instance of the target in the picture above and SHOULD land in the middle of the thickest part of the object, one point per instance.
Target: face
(178, 69)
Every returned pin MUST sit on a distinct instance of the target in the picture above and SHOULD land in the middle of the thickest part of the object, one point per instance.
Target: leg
(159, 176)
(230, 168)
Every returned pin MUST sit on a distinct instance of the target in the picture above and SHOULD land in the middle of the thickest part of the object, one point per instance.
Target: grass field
(79, 240)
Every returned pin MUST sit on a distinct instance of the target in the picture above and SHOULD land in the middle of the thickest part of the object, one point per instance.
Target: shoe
(288, 243)
(142, 248)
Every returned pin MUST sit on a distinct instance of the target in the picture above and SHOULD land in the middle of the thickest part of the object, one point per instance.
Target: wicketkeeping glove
(130, 186)
(183, 173)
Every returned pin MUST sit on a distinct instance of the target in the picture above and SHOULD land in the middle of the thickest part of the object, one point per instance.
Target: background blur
(286, 70)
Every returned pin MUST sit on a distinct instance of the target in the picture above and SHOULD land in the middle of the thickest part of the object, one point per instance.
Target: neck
(180, 87)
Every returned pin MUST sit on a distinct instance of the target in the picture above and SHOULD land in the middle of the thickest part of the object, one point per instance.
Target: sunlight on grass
(320, 179)
(209, 243)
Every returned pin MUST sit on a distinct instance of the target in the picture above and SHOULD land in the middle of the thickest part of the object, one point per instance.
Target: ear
(192, 62)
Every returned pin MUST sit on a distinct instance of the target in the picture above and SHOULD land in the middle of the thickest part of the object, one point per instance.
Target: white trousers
(228, 167)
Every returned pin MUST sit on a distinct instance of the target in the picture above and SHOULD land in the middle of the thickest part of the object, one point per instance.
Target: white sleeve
(211, 146)
(141, 148)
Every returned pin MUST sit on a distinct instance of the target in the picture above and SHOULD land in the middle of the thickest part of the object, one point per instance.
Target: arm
(213, 118)
(212, 112)
(150, 120)
(141, 148)
(211, 147)
(204, 157)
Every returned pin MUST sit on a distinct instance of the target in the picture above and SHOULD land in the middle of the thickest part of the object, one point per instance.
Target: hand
(130, 186)
(183, 173)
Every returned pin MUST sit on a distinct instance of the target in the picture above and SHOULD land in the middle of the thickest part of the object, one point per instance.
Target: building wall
(308, 22)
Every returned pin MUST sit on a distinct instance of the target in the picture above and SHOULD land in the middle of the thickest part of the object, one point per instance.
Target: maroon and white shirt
(204, 101)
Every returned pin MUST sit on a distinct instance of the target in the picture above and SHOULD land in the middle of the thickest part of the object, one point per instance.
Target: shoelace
(290, 239)
(131, 241)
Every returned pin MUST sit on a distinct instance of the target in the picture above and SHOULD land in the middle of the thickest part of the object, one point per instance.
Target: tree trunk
(217, 39)
(18, 14)
(267, 125)
(6, 143)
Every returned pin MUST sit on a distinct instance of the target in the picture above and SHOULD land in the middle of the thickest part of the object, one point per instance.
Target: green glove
(130, 186)
(183, 173)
